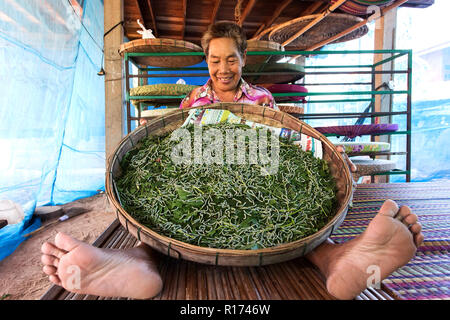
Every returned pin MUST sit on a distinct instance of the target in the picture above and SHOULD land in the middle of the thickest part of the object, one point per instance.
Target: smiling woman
(225, 47)
(225, 67)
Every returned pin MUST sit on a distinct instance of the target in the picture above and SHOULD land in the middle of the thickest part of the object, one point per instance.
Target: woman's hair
(225, 29)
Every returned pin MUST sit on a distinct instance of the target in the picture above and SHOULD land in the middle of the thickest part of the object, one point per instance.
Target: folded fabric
(360, 7)
(161, 89)
(364, 147)
(353, 131)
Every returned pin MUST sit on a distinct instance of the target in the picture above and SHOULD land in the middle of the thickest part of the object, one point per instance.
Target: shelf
(375, 154)
(351, 94)
(378, 134)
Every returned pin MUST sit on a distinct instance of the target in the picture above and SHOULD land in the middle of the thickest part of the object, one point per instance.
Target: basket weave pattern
(261, 45)
(178, 249)
(330, 26)
(162, 45)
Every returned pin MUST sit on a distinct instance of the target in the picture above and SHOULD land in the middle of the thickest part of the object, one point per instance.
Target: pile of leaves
(228, 206)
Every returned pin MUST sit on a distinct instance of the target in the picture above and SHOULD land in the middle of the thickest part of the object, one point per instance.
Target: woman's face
(225, 64)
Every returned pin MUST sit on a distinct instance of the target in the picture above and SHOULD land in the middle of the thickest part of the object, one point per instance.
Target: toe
(66, 242)
(389, 208)
(49, 260)
(410, 219)
(418, 239)
(49, 270)
(416, 228)
(403, 212)
(55, 279)
(50, 249)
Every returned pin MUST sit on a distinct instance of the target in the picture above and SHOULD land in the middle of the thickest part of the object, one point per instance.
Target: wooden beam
(312, 8)
(246, 12)
(114, 122)
(215, 10)
(385, 30)
(152, 14)
(183, 26)
(275, 15)
(139, 10)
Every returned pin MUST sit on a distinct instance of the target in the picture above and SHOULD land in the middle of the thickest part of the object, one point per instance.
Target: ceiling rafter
(215, 10)
(139, 10)
(246, 12)
(313, 8)
(183, 26)
(152, 14)
(275, 15)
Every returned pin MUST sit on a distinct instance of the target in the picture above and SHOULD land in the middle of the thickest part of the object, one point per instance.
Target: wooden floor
(183, 280)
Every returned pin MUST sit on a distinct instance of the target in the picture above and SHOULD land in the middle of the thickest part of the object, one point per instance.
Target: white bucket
(10, 211)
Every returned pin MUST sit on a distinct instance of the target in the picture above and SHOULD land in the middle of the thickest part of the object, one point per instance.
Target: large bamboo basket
(331, 25)
(162, 45)
(273, 72)
(261, 45)
(181, 250)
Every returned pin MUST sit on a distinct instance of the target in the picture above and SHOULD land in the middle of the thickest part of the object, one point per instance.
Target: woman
(387, 243)
(225, 49)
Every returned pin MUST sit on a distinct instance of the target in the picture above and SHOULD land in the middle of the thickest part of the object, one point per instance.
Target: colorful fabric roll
(360, 7)
(286, 88)
(364, 147)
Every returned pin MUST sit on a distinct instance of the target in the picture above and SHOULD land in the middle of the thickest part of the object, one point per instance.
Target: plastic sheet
(52, 115)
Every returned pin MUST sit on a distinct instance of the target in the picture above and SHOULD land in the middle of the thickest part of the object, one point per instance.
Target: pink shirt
(246, 93)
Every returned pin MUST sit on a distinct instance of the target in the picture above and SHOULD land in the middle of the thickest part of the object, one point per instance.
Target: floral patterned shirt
(246, 93)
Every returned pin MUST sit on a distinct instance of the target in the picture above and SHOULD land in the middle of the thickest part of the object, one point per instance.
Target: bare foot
(388, 243)
(81, 268)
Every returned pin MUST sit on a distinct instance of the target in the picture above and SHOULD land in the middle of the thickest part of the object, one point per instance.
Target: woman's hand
(349, 163)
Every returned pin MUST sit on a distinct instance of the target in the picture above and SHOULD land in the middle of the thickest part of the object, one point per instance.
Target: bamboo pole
(356, 26)
(319, 18)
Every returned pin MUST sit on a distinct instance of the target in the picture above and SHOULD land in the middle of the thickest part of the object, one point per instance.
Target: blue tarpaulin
(52, 120)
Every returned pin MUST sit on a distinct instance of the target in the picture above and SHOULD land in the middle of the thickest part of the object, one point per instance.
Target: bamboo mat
(425, 277)
(183, 280)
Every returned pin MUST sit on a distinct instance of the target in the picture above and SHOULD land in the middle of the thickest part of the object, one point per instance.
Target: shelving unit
(348, 96)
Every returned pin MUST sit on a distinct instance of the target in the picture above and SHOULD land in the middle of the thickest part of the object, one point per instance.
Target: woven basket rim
(253, 45)
(262, 45)
(273, 67)
(264, 32)
(274, 250)
(162, 45)
(313, 16)
(155, 42)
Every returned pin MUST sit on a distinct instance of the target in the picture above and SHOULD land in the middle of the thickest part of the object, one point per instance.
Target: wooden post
(113, 14)
(385, 30)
